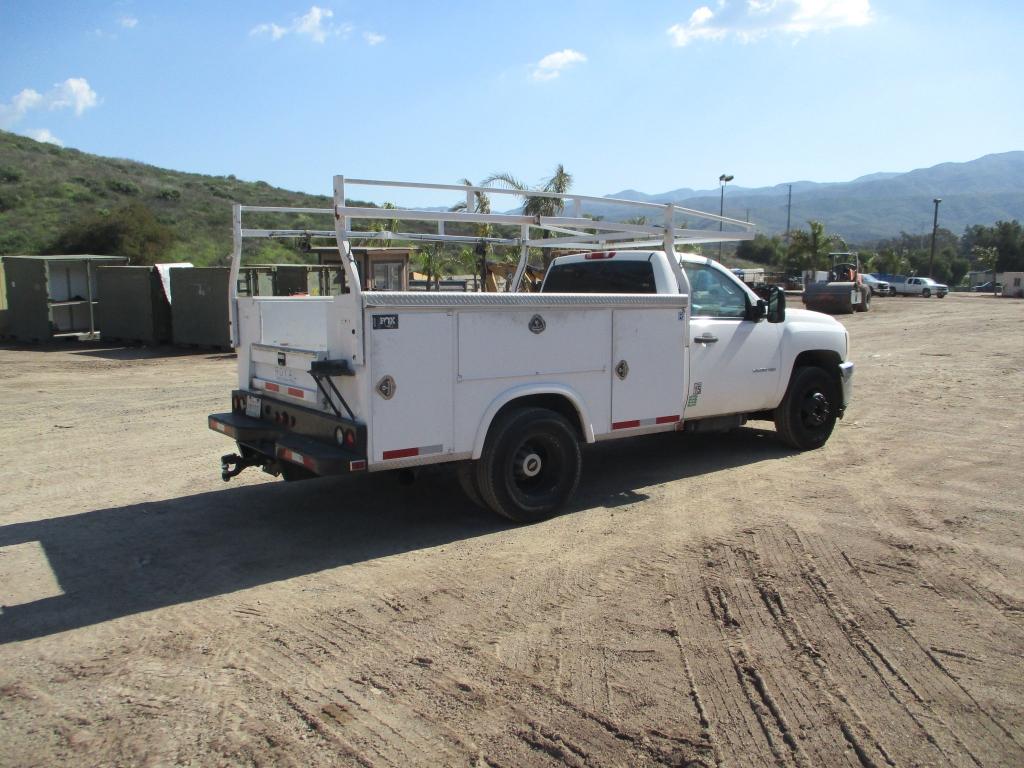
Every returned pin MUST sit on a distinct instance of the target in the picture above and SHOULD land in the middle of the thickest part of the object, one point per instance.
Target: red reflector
(600, 255)
(626, 424)
(272, 387)
(295, 392)
(357, 466)
(403, 453)
(666, 420)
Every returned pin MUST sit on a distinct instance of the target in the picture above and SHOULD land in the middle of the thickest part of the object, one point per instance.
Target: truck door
(734, 362)
(647, 367)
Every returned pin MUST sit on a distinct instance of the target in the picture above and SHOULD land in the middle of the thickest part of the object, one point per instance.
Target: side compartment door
(647, 367)
(411, 368)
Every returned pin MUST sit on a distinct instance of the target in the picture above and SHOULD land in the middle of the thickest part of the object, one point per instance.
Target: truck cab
(743, 348)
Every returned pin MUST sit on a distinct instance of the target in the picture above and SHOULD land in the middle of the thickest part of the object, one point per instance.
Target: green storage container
(53, 296)
(134, 306)
(199, 307)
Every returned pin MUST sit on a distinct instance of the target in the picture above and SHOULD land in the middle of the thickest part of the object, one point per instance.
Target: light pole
(935, 227)
(724, 179)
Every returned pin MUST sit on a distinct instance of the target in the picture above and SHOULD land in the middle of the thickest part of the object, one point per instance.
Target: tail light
(350, 438)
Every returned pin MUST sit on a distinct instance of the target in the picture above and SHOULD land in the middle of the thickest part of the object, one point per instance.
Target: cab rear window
(601, 277)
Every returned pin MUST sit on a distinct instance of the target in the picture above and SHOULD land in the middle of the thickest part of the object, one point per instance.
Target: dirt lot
(706, 601)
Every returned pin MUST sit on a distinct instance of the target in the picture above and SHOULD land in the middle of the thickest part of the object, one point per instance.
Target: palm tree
(435, 261)
(481, 204)
(809, 249)
(560, 182)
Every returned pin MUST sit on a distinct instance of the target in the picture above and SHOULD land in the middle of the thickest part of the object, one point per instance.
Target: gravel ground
(708, 601)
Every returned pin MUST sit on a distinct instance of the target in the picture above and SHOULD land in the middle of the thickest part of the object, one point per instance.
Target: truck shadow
(116, 350)
(116, 562)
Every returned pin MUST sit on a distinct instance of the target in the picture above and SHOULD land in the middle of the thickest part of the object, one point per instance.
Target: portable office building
(380, 269)
(53, 296)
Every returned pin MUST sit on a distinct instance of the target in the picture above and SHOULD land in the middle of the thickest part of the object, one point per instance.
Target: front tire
(926, 293)
(530, 466)
(807, 415)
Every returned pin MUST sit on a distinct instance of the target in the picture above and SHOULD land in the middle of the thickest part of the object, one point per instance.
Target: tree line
(999, 246)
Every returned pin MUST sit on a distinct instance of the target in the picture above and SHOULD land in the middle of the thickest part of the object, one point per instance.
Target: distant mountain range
(871, 207)
(44, 188)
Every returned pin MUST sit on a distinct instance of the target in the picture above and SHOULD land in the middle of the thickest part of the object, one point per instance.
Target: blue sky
(644, 95)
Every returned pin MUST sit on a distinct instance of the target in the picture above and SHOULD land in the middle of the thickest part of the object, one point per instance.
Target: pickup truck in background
(918, 286)
(509, 386)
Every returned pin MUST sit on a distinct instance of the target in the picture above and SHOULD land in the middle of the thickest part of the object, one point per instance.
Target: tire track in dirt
(898, 684)
(706, 726)
(809, 661)
(369, 697)
(998, 732)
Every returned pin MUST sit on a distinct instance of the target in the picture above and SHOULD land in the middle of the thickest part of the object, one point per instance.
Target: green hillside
(46, 190)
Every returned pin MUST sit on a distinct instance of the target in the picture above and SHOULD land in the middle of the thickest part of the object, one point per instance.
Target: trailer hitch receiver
(233, 464)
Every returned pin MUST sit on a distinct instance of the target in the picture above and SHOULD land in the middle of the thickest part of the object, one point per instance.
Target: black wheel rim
(815, 410)
(535, 471)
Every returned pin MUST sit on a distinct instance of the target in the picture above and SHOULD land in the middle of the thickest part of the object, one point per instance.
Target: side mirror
(776, 304)
(757, 311)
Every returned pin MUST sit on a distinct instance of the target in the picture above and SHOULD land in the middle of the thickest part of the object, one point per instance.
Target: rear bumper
(846, 380)
(307, 440)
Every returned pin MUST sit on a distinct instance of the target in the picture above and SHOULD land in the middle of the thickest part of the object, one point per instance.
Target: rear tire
(926, 293)
(865, 301)
(807, 415)
(465, 472)
(530, 466)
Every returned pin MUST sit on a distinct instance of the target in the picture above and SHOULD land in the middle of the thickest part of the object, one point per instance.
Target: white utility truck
(625, 338)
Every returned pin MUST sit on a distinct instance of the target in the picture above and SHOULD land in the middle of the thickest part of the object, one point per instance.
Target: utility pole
(935, 227)
(724, 179)
(789, 210)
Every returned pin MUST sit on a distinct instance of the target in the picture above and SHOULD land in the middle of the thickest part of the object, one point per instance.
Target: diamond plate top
(459, 299)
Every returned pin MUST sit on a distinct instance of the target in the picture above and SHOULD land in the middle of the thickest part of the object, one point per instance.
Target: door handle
(707, 338)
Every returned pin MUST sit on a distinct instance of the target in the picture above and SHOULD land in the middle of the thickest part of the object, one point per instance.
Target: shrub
(123, 187)
(130, 230)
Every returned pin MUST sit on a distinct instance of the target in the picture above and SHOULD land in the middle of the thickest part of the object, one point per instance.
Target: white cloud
(272, 30)
(44, 135)
(754, 19)
(372, 38)
(74, 93)
(551, 66)
(128, 22)
(315, 24)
